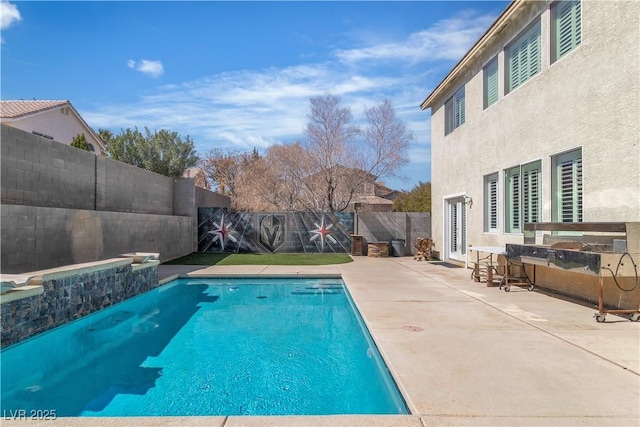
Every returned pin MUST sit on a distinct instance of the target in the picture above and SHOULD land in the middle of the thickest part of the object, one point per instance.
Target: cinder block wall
(209, 199)
(36, 238)
(125, 188)
(184, 196)
(37, 171)
(386, 226)
(62, 205)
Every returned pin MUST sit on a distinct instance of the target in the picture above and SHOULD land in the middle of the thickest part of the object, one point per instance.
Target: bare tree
(253, 187)
(341, 162)
(331, 138)
(326, 173)
(277, 182)
(288, 168)
(387, 141)
(222, 169)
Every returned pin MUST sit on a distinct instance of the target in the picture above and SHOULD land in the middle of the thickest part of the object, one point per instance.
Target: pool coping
(247, 276)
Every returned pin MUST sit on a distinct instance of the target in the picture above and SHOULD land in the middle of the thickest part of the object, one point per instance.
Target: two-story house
(538, 122)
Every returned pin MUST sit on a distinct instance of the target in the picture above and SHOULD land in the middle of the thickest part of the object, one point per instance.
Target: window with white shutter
(453, 238)
(463, 229)
(567, 187)
(491, 203)
(531, 200)
(523, 196)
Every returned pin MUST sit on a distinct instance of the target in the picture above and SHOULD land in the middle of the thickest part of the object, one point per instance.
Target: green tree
(416, 200)
(80, 141)
(163, 151)
(105, 135)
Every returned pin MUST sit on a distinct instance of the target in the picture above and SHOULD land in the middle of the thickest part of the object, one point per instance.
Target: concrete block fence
(62, 205)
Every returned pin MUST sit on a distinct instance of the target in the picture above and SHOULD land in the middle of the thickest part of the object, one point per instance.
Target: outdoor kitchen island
(592, 261)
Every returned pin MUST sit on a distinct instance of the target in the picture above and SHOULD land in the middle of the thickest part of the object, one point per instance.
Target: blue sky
(238, 75)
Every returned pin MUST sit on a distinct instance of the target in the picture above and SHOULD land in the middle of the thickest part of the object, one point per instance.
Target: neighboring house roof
(373, 200)
(16, 110)
(496, 28)
(199, 177)
(369, 197)
(385, 192)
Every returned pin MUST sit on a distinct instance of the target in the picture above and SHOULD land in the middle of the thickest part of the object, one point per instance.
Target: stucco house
(55, 120)
(198, 176)
(538, 122)
(370, 200)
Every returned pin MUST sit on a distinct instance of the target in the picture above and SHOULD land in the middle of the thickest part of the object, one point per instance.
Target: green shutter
(512, 202)
(463, 229)
(454, 114)
(491, 83)
(577, 30)
(514, 188)
(568, 27)
(491, 203)
(454, 228)
(514, 69)
(459, 102)
(534, 54)
(448, 116)
(571, 190)
(525, 57)
(568, 187)
(531, 192)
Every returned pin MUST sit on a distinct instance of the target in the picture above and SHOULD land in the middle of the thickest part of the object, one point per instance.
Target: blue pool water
(207, 347)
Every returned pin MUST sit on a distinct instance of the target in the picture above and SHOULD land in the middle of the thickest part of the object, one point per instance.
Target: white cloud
(256, 108)
(448, 39)
(9, 15)
(246, 109)
(243, 109)
(153, 68)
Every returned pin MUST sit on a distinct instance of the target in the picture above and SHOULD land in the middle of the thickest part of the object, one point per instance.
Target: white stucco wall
(590, 99)
(62, 127)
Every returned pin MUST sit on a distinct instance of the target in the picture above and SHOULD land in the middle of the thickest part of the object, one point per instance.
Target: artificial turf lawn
(198, 258)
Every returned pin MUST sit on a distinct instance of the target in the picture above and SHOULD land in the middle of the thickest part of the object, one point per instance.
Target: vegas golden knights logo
(272, 231)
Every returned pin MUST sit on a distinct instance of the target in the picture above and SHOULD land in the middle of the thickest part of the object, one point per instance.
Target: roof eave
(91, 131)
(59, 104)
(500, 23)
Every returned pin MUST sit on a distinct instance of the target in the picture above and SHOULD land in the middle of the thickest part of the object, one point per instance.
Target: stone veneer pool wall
(72, 292)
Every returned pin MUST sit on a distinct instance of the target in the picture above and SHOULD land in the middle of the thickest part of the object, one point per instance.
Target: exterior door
(456, 229)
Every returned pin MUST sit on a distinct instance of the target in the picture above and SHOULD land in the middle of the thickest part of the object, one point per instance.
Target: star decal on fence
(222, 232)
(323, 232)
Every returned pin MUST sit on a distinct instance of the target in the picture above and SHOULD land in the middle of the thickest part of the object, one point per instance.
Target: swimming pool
(238, 346)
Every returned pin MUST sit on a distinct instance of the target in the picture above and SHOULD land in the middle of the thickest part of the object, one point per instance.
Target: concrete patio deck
(464, 354)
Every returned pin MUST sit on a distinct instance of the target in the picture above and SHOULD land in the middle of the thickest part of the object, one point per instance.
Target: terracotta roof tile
(12, 109)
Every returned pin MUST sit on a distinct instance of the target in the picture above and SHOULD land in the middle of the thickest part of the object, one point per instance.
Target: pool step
(322, 292)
